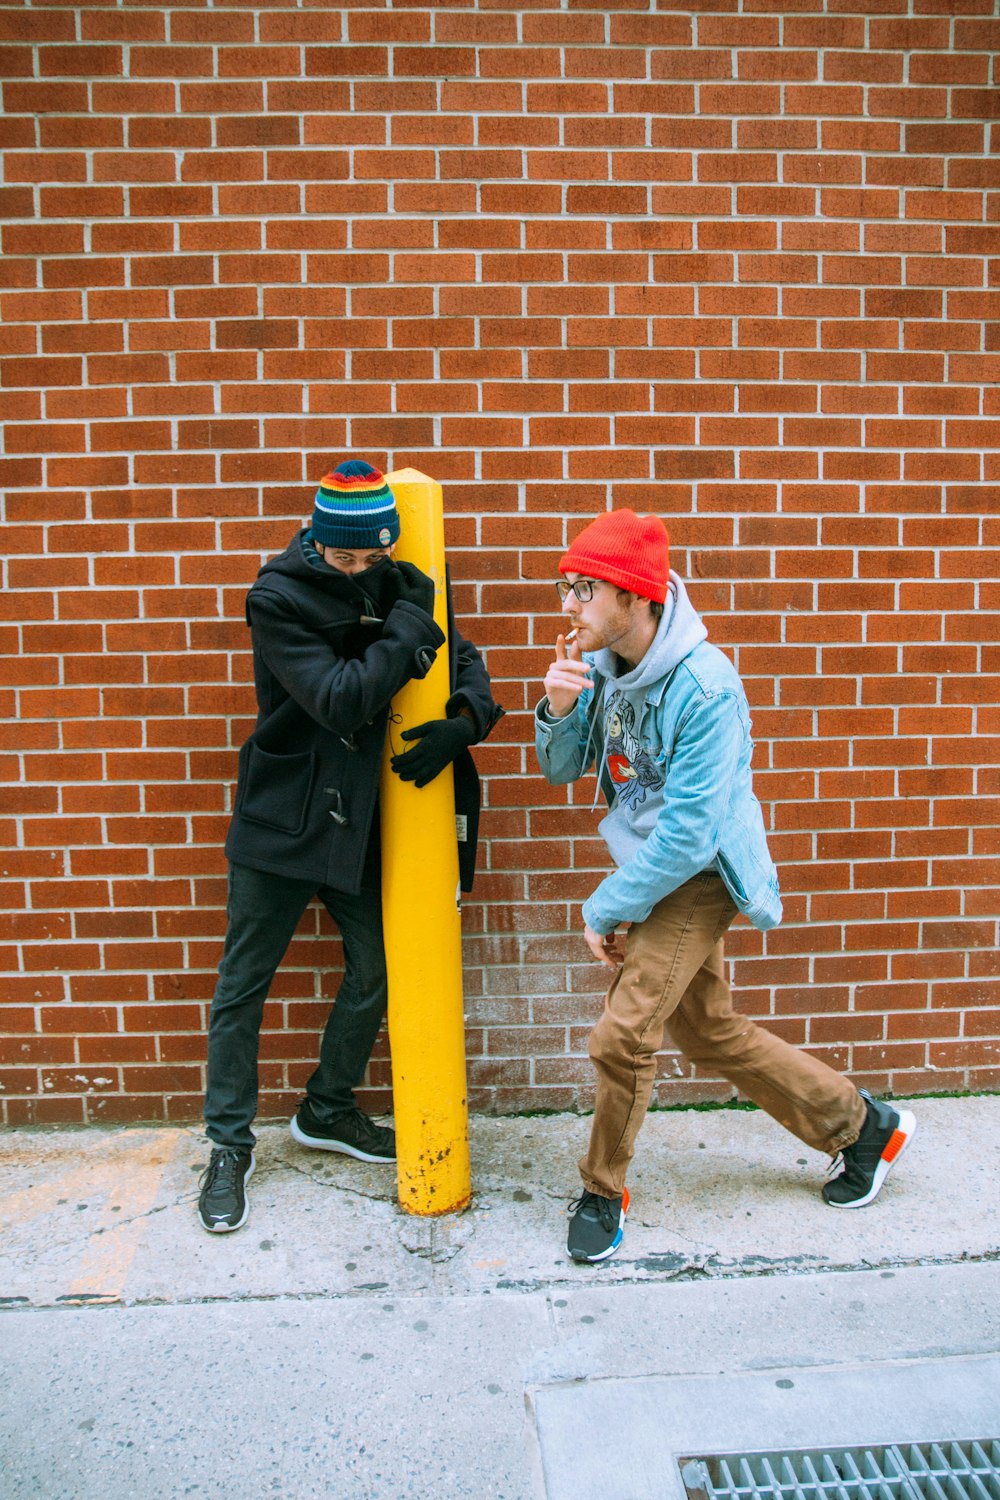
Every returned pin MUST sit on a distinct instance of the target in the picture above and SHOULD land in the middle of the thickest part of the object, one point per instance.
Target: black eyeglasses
(583, 588)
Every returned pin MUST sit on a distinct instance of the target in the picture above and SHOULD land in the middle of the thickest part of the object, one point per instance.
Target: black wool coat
(328, 658)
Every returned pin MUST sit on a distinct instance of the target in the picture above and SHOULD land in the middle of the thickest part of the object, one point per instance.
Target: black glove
(413, 587)
(378, 583)
(440, 741)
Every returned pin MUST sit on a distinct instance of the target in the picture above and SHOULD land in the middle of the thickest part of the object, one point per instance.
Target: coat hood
(367, 593)
(301, 561)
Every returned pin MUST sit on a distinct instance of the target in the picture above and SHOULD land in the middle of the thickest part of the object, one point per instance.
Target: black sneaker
(884, 1137)
(351, 1133)
(597, 1225)
(223, 1203)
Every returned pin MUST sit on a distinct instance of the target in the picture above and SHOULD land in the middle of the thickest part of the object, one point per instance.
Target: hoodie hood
(632, 774)
(679, 631)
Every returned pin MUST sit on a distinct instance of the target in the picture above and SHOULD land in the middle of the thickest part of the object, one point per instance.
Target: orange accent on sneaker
(625, 1201)
(894, 1145)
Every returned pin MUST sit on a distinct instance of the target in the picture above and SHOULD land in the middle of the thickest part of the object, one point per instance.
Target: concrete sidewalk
(335, 1346)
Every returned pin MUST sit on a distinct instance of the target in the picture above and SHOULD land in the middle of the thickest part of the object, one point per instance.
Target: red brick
(918, 103)
(342, 62)
(506, 63)
(86, 61)
(95, 271)
(385, 26)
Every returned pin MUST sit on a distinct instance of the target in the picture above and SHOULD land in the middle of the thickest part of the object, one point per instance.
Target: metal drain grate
(966, 1470)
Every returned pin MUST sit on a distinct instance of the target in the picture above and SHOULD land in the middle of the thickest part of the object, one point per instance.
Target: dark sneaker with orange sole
(597, 1225)
(884, 1137)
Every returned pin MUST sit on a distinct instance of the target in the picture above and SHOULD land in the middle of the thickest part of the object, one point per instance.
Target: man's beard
(612, 630)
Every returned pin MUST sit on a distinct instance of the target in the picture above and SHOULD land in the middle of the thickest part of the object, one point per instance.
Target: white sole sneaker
(224, 1228)
(322, 1143)
(893, 1149)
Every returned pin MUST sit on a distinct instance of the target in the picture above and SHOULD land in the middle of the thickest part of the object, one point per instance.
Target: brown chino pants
(673, 978)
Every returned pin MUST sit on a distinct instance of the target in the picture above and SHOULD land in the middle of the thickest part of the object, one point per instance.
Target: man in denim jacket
(662, 713)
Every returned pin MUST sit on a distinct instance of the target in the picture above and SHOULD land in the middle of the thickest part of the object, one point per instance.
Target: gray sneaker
(596, 1226)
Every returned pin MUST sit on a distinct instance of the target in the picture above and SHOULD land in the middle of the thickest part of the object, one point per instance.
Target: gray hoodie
(631, 777)
(672, 742)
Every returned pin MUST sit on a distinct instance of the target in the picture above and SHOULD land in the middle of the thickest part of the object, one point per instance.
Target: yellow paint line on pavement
(132, 1187)
(73, 1234)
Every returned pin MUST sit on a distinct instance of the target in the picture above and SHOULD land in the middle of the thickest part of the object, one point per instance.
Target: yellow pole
(421, 919)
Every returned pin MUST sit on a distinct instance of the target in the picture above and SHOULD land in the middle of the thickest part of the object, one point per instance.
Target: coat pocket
(277, 788)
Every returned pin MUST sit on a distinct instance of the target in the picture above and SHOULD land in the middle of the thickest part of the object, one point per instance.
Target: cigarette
(571, 636)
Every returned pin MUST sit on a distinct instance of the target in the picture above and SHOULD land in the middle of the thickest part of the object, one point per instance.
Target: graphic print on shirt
(631, 768)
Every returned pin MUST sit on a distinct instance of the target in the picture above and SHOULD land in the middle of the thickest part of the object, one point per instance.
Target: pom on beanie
(625, 549)
(355, 508)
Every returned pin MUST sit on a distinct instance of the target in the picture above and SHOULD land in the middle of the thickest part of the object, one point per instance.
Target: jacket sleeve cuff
(597, 923)
(550, 723)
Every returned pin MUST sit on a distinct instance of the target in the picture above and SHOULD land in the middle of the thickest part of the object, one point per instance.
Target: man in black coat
(337, 627)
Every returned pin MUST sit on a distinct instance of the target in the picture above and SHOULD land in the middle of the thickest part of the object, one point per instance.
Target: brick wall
(735, 263)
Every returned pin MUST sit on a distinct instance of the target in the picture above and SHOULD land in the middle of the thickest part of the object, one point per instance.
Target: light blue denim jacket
(689, 737)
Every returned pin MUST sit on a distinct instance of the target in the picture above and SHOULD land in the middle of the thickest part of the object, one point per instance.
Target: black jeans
(263, 912)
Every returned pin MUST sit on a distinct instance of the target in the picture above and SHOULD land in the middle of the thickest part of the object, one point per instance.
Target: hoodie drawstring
(593, 717)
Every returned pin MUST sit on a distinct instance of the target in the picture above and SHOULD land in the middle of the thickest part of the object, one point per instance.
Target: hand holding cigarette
(566, 678)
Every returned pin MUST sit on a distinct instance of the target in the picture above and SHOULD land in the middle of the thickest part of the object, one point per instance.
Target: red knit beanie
(623, 548)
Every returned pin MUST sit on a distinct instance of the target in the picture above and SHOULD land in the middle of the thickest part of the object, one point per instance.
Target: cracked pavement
(110, 1214)
(345, 1348)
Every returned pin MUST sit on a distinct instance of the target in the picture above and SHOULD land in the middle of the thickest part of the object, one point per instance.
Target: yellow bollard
(421, 919)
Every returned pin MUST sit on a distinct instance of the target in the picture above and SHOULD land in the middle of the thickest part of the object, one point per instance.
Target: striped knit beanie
(625, 549)
(355, 508)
